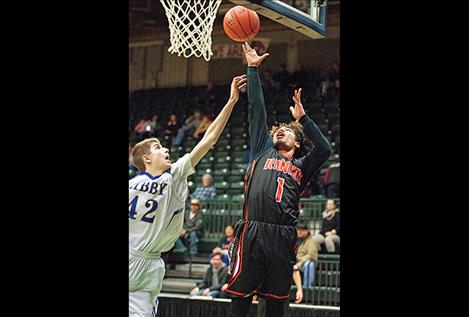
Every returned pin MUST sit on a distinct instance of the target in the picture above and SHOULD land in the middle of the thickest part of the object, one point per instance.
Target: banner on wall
(221, 51)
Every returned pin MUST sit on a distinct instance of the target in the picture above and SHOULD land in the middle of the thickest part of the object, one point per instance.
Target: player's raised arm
(321, 152)
(214, 131)
(258, 131)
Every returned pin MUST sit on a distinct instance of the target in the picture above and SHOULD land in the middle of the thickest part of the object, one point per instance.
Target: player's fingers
(292, 109)
(264, 56)
(295, 100)
(241, 85)
(244, 48)
(242, 81)
(247, 45)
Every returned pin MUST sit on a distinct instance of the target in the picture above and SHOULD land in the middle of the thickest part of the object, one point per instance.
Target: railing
(326, 287)
(219, 213)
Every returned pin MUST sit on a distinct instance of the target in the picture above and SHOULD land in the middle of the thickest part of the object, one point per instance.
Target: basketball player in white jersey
(156, 207)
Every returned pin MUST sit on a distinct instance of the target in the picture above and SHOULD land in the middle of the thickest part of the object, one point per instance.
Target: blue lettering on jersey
(150, 187)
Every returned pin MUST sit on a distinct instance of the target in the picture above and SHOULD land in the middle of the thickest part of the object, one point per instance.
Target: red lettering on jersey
(286, 166)
(277, 165)
(297, 176)
(268, 164)
(292, 170)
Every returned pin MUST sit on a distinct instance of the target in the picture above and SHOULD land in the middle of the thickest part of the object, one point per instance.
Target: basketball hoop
(190, 26)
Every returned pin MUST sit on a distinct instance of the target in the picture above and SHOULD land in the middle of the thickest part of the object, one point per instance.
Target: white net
(190, 26)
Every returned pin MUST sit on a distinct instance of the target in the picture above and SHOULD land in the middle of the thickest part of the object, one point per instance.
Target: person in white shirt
(156, 207)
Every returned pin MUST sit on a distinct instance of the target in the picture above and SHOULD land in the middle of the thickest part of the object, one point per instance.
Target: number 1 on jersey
(279, 194)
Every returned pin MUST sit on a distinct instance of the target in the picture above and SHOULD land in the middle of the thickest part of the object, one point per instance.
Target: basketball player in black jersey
(282, 162)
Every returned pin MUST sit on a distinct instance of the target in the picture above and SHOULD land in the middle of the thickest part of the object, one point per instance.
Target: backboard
(305, 16)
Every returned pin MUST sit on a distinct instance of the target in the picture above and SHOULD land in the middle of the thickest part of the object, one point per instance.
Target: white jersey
(156, 207)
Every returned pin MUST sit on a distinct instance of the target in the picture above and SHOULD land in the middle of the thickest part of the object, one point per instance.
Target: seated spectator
(191, 123)
(152, 127)
(192, 230)
(202, 127)
(224, 243)
(139, 128)
(330, 228)
(215, 278)
(207, 191)
(172, 126)
(332, 81)
(306, 254)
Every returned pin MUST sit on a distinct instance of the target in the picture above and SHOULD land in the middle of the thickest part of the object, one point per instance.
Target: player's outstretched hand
(237, 83)
(251, 55)
(298, 111)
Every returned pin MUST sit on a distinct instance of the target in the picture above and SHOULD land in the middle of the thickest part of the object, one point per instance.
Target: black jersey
(273, 183)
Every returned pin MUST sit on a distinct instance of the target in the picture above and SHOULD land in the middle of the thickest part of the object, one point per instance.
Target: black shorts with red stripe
(262, 257)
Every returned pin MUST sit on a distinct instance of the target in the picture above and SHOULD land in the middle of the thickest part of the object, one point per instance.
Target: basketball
(241, 24)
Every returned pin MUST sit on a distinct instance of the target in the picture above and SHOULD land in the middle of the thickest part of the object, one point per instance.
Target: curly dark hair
(305, 144)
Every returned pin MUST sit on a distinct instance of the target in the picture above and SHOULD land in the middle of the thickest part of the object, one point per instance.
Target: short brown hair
(139, 150)
(305, 144)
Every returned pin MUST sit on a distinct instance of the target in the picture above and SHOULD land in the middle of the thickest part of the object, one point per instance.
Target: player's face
(285, 137)
(159, 157)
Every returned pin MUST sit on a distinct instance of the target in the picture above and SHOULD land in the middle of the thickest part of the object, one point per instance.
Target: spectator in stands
(281, 77)
(331, 181)
(330, 231)
(332, 81)
(139, 128)
(172, 126)
(203, 126)
(224, 243)
(152, 127)
(306, 254)
(207, 191)
(299, 77)
(191, 123)
(192, 230)
(215, 277)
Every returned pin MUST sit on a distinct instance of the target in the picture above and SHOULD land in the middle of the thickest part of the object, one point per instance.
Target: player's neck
(154, 171)
(286, 153)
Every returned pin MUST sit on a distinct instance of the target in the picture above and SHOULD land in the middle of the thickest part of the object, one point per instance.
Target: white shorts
(146, 272)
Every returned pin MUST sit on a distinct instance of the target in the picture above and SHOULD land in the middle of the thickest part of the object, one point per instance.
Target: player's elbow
(209, 140)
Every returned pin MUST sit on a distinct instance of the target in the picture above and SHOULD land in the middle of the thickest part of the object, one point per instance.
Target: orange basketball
(241, 24)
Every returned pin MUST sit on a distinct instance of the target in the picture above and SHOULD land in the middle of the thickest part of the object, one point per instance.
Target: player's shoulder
(181, 162)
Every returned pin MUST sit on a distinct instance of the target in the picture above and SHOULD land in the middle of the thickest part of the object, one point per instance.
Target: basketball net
(190, 26)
